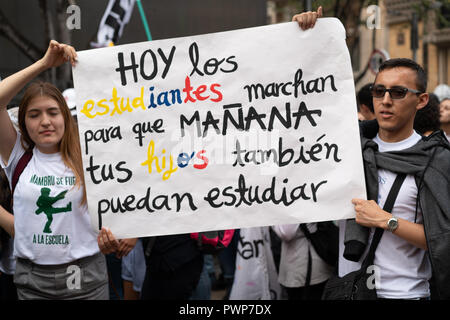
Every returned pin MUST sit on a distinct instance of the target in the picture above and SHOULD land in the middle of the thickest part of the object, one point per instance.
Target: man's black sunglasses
(397, 92)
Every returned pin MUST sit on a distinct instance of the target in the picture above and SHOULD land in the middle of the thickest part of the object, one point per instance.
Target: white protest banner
(236, 129)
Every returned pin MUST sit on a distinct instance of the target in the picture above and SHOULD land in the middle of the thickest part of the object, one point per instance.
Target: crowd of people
(404, 130)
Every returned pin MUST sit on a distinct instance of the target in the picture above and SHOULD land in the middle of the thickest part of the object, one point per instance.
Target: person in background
(203, 289)
(427, 118)
(365, 103)
(8, 290)
(445, 116)
(227, 260)
(296, 250)
(255, 275)
(133, 272)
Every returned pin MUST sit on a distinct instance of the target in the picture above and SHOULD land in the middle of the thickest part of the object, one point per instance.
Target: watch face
(392, 224)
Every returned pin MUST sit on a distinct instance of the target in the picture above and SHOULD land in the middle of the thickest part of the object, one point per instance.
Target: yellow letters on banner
(152, 158)
(104, 108)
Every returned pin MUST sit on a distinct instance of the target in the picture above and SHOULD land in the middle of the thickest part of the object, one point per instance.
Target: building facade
(433, 51)
(386, 27)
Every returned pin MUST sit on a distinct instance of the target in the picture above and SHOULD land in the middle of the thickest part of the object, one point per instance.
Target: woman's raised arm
(56, 55)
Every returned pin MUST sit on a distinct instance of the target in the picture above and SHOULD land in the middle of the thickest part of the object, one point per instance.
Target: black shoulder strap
(148, 243)
(308, 275)
(21, 165)
(388, 205)
(305, 230)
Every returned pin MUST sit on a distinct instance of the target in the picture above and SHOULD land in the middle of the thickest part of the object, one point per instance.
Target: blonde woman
(56, 249)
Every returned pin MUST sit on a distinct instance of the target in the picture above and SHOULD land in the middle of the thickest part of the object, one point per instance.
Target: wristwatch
(392, 224)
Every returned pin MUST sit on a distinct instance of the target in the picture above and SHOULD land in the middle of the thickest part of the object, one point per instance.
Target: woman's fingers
(113, 242)
(58, 53)
(70, 54)
(106, 241)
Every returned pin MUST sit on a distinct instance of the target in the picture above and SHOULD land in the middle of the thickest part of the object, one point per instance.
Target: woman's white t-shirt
(403, 269)
(51, 225)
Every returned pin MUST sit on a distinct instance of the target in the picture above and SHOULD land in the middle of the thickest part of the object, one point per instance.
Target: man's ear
(423, 101)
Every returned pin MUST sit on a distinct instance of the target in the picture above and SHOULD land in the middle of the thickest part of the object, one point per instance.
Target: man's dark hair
(421, 78)
(365, 97)
(427, 118)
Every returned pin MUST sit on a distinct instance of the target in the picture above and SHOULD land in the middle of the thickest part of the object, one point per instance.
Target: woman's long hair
(69, 146)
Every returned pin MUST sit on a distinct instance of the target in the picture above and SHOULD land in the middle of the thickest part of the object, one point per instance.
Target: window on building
(444, 19)
(443, 57)
(401, 38)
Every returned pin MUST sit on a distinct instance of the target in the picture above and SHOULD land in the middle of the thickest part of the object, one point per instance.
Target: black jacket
(171, 252)
(429, 162)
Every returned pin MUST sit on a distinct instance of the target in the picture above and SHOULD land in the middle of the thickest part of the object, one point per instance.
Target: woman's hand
(107, 242)
(57, 54)
(307, 20)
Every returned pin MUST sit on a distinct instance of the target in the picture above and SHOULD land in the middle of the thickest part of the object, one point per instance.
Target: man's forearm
(369, 214)
(412, 232)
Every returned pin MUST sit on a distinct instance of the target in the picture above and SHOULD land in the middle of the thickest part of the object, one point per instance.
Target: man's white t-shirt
(404, 270)
(51, 226)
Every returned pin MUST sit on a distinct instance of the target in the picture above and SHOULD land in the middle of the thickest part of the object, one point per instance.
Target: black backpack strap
(388, 205)
(308, 274)
(148, 243)
(21, 165)
(305, 230)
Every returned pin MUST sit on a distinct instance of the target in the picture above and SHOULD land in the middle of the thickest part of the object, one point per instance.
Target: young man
(416, 240)
(427, 119)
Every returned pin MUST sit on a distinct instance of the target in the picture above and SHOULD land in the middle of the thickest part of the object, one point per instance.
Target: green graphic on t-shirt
(45, 204)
